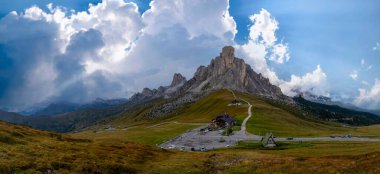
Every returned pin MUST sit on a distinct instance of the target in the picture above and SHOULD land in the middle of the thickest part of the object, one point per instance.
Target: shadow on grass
(256, 145)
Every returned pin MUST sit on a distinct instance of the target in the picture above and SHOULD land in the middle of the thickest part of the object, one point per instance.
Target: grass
(207, 108)
(45, 152)
(147, 134)
(280, 145)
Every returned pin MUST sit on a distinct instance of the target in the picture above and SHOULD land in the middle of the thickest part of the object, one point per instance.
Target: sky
(69, 50)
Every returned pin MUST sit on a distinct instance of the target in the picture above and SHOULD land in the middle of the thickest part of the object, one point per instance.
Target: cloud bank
(111, 50)
(369, 98)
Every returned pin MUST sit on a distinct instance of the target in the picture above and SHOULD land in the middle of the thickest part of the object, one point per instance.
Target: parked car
(289, 138)
(203, 149)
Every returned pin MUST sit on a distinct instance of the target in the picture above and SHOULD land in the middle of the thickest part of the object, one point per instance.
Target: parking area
(197, 140)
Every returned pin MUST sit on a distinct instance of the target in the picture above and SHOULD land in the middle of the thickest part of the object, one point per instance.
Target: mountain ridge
(224, 72)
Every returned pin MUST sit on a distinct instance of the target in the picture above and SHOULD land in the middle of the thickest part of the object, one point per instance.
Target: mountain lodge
(222, 121)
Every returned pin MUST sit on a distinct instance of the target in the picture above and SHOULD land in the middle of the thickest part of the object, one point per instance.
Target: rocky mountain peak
(178, 79)
(228, 71)
(224, 71)
(228, 55)
(147, 92)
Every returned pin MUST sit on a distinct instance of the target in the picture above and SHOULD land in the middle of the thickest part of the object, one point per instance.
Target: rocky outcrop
(162, 91)
(227, 71)
(178, 79)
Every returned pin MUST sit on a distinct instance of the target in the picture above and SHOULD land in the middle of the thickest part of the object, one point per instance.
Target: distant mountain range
(57, 108)
(329, 101)
(224, 72)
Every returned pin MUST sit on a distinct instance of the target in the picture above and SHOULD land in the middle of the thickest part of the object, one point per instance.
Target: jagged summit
(162, 91)
(224, 71)
(228, 71)
(178, 79)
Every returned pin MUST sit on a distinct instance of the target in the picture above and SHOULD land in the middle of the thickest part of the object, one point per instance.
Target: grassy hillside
(131, 126)
(144, 134)
(283, 123)
(207, 108)
(25, 150)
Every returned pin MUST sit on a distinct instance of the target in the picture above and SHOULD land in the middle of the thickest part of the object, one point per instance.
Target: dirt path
(243, 125)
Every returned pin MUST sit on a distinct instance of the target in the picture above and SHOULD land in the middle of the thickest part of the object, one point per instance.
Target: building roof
(268, 139)
(225, 118)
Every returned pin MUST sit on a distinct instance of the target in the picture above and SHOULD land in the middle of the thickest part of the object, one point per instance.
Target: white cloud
(354, 74)
(362, 62)
(369, 98)
(314, 82)
(195, 16)
(264, 28)
(376, 47)
(280, 53)
(365, 83)
(263, 32)
(263, 45)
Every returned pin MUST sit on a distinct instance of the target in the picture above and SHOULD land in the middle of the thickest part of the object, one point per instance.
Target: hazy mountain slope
(328, 101)
(57, 108)
(66, 122)
(11, 117)
(337, 113)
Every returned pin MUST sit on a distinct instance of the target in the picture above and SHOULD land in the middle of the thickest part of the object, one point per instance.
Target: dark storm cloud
(25, 45)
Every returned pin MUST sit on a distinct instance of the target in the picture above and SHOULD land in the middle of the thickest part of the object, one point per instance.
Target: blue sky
(337, 35)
